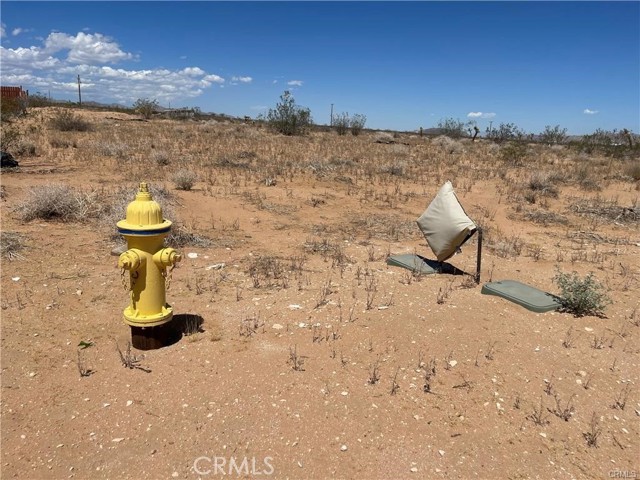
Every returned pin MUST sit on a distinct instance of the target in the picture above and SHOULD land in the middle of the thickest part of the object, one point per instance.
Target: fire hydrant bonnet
(144, 216)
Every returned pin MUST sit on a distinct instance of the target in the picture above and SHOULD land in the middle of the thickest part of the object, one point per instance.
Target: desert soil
(296, 268)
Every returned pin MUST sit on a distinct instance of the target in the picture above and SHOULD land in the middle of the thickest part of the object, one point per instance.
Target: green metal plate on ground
(419, 264)
(524, 295)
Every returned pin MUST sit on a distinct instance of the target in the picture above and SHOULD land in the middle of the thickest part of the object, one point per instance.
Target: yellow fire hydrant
(147, 261)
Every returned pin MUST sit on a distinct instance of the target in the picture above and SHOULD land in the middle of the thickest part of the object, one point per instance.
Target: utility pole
(331, 124)
(79, 93)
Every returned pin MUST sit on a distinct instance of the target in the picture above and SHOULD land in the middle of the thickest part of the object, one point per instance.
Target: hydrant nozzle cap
(144, 215)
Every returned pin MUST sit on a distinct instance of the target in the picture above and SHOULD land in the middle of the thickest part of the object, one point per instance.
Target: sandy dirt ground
(314, 358)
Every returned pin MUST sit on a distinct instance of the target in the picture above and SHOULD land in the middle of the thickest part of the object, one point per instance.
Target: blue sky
(404, 65)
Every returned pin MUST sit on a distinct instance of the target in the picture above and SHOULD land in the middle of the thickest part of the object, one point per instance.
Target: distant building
(14, 99)
(13, 92)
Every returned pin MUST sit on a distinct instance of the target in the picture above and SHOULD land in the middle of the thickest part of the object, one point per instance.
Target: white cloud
(213, 79)
(295, 83)
(193, 71)
(16, 31)
(242, 79)
(86, 48)
(589, 112)
(26, 59)
(481, 115)
(54, 64)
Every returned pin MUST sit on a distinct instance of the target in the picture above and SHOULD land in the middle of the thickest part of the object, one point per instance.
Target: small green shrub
(452, 128)
(66, 121)
(289, 118)
(553, 135)
(357, 123)
(146, 107)
(581, 296)
(341, 123)
(506, 132)
(514, 153)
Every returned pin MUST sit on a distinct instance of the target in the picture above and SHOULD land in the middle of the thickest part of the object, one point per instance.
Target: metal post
(479, 262)
(79, 94)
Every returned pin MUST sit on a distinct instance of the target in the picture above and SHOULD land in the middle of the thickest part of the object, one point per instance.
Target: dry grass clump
(448, 145)
(632, 170)
(384, 137)
(381, 226)
(60, 202)
(545, 218)
(608, 210)
(60, 142)
(111, 149)
(67, 121)
(543, 183)
(10, 244)
(181, 236)
(268, 271)
(25, 148)
(242, 160)
(160, 158)
(514, 153)
(586, 180)
(397, 169)
(185, 179)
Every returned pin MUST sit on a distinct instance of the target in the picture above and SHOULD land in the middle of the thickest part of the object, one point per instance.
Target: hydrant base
(134, 319)
(152, 338)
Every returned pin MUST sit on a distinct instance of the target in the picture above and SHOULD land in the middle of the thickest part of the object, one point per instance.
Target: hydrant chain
(167, 276)
(124, 280)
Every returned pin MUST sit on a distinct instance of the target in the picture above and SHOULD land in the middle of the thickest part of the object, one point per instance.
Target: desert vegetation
(297, 340)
